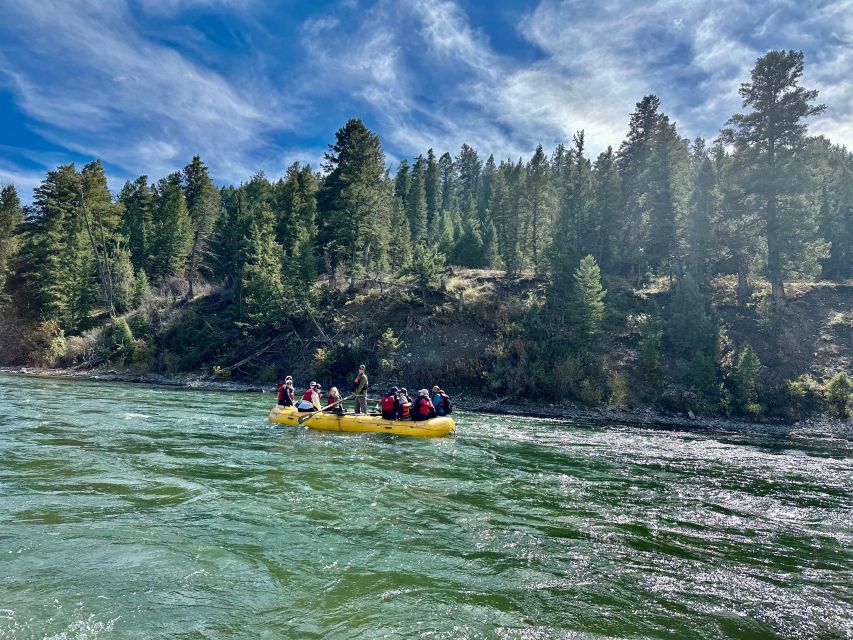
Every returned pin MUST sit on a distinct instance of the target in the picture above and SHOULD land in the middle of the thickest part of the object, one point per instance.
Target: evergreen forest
(664, 272)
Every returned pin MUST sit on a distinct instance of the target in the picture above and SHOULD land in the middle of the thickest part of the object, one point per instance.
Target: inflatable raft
(440, 426)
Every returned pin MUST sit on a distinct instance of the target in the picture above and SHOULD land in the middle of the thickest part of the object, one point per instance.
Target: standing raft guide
(426, 415)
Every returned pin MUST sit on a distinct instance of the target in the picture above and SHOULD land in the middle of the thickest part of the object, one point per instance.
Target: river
(130, 511)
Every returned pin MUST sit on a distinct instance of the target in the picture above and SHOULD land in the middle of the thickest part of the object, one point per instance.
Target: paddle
(302, 419)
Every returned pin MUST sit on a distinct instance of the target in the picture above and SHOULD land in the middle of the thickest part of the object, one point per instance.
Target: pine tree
(58, 267)
(836, 213)
(427, 265)
(606, 207)
(575, 231)
(468, 251)
(202, 201)
(587, 300)
(485, 188)
(11, 218)
(172, 233)
(468, 166)
(401, 237)
(403, 183)
(432, 190)
(417, 203)
(296, 226)
(703, 207)
(266, 298)
(101, 218)
(137, 197)
(539, 205)
(692, 332)
(745, 381)
(124, 281)
(665, 199)
(770, 141)
(353, 204)
(735, 224)
(634, 155)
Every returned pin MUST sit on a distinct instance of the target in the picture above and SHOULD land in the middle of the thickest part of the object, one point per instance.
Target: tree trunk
(774, 265)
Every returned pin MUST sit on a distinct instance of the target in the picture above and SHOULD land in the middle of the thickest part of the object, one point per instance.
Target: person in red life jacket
(286, 393)
(423, 409)
(335, 401)
(405, 410)
(360, 385)
(390, 405)
(310, 399)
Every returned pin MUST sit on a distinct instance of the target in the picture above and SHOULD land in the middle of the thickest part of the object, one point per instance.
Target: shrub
(387, 351)
(839, 395)
(800, 398)
(143, 352)
(121, 341)
(744, 380)
(140, 323)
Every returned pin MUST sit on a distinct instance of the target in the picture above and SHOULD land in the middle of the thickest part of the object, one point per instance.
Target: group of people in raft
(397, 404)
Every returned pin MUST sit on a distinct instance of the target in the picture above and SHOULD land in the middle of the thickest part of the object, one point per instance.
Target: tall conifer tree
(769, 141)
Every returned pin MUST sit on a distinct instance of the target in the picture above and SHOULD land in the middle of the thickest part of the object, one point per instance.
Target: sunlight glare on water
(136, 512)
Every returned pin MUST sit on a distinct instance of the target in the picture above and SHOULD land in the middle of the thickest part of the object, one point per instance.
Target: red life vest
(405, 409)
(281, 394)
(422, 407)
(387, 403)
(307, 395)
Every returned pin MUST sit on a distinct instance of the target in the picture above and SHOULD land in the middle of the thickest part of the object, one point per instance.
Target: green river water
(129, 511)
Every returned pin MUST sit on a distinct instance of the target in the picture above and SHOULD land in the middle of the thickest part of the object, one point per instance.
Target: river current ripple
(129, 511)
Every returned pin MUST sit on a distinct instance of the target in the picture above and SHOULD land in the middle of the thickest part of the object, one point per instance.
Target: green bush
(140, 323)
(839, 395)
(744, 379)
(800, 398)
(121, 342)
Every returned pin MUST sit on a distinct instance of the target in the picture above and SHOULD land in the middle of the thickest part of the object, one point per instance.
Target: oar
(303, 419)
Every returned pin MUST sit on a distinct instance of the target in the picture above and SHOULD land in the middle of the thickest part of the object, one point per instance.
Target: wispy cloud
(94, 85)
(105, 78)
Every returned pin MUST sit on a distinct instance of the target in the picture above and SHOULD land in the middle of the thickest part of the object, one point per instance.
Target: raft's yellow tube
(439, 426)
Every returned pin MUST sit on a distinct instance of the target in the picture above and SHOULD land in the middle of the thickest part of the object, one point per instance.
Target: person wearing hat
(310, 399)
(390, 405)
(440, 401)
(286, 393)
(361, 384)
(423, 409)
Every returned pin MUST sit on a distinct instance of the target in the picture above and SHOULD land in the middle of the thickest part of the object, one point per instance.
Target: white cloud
(100, 88)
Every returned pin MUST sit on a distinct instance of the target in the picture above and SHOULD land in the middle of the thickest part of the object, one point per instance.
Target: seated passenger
(286, 393)
(405, 404)
(390, 405)
(423, 409)
(317, 397)
(335, 401)
(307, 401)
(441, 402)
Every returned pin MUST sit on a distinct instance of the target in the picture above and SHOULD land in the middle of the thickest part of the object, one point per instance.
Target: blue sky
(254, 85)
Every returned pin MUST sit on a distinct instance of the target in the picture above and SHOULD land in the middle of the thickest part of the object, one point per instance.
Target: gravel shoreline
(642, 417)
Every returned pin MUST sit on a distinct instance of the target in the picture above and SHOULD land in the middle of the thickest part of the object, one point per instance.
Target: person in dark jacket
(423, 409)
(286, 392)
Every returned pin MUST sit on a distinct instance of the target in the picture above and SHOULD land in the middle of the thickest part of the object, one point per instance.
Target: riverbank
(823, 427)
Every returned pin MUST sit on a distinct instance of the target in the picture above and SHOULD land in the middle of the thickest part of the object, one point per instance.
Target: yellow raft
(439, 426)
